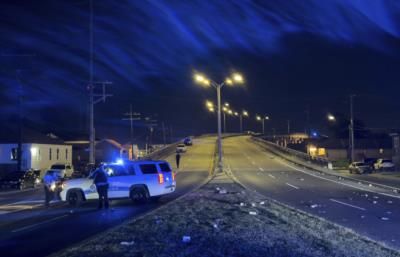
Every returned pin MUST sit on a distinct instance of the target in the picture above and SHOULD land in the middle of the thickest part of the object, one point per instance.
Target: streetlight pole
(351, 130)
(236, 78)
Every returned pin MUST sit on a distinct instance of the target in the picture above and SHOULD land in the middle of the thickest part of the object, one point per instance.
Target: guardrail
(320, 161)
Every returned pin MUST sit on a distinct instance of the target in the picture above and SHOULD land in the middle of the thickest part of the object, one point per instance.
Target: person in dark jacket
(49, 182)
(178, 159)
(101, 181)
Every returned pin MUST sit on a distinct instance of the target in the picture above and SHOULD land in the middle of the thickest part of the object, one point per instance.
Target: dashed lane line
(272, 176)
(261, 169)
(347, 204)
(295, 187)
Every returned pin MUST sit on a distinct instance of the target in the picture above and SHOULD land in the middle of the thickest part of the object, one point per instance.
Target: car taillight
(173, 175)
(160, 178)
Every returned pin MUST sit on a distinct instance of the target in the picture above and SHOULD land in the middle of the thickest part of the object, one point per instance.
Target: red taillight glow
(173, 176)
(160, 178)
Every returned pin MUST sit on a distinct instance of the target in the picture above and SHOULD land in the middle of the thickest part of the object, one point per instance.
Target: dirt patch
(236, 223)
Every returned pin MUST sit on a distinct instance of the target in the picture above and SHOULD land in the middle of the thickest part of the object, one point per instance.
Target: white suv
(138, 180)
(62, 170)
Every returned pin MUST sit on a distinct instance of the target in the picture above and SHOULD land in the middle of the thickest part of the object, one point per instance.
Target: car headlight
(53, 186)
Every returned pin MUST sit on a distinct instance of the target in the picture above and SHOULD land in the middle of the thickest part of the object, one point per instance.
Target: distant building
(39, 151)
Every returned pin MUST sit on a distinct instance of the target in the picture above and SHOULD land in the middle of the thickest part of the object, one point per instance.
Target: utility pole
(351, 130)
(163, 131)
(288, 127)
(20, 125)
(133, 116)
(91, 86)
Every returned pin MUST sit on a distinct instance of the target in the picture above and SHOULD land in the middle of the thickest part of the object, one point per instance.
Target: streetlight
(262, 119)
(331, 117)
(243, 113)
(203, 80)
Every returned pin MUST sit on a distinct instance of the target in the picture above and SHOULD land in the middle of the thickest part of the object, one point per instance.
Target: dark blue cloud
(144, 46)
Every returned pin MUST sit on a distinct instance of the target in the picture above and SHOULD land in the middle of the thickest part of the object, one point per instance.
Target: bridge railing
(320, 161)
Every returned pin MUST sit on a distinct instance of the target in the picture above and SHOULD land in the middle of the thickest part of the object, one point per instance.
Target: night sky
(295, 56)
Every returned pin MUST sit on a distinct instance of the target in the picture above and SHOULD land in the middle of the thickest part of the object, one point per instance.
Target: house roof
(10, 135)
(362, 143)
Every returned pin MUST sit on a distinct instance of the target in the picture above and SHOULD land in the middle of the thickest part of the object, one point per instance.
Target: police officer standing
(101, 181)
(178, 159)
(49, 182)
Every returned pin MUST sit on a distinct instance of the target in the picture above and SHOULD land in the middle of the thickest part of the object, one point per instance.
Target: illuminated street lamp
(203, 80)
(331, 117)
(262, 119)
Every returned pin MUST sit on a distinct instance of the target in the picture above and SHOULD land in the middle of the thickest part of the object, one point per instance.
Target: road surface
(27, 229)
(371, 214)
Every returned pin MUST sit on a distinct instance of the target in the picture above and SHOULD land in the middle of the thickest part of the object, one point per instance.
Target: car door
(116, 176)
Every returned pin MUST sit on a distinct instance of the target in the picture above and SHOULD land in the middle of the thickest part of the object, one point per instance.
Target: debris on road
(384, 218)
(262, 203)
(252, 213)
(242, 204)
(374, 202)
(223, 191)
(389, 202)
(186, 239)
(313, 206)
(125, 243)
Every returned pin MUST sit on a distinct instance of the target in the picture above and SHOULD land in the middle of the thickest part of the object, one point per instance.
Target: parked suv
(62, 170)
(359, 167)
(384, 164)
(181, 148)
(137, 180)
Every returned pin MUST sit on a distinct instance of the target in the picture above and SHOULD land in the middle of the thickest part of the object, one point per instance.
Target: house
(106, 150)
(338, 149)
(39, 151)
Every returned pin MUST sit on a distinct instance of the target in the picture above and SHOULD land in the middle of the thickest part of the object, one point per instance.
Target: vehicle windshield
(58, 167)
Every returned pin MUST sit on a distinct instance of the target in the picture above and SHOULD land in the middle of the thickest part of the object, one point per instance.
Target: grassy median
(232, 223)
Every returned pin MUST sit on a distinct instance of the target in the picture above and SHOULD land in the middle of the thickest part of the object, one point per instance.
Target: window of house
(14, 154)
(50, 154)
(58, 154)
(66, 154)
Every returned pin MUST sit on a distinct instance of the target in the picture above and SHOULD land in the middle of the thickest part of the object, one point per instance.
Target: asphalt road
(371, 214)
(28, 229)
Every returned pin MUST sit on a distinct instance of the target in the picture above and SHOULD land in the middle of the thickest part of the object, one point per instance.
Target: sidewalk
(224, 219)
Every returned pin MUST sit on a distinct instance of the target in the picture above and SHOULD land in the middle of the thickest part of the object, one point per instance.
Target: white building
(38, 152)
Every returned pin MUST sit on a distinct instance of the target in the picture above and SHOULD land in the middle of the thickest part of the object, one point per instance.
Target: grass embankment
(221, 225)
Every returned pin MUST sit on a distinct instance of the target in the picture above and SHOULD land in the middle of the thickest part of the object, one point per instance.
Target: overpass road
(27, 229)
(371, 214)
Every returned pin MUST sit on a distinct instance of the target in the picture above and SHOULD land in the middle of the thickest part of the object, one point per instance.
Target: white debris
(389, 202)
(314, 206)
(374, 202)
(376, 197)
(384, 218)
(127, 243)
(215, 226)
(242, 204)
(362, 216)
(253, 204)
(301, 179)
(223, 191)
(388, 212)
(262, 203)
(252, 213)
(359, 183)
(395, 191)
(217, 188)
(370, 185)
(186, 239)
(71, 211)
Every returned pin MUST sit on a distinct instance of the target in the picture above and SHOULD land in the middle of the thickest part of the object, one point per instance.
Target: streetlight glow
(199, 78)
(258, 117)
(266, 117)
(245, 113)
(226, 104)
(224, 109)
(238, 78)
(209, 104)
(229, 81)
(331, 117)
(236, 113)
(230, 112)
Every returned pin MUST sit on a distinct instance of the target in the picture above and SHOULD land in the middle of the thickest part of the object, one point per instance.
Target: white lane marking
(295, 187)
(261, 169)
(347, 204)
(272, 176)
(27, 201)
(38, 224)
(337, 182)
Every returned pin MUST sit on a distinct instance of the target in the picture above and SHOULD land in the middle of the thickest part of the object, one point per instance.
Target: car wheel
(74, 198)
(139, 195)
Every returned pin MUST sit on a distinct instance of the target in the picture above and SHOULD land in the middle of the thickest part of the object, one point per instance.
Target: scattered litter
(389, 202)
(223, 191)
(388, 212)
(301, 179)
(376, 197)
(359, 183)
(366, 195)
(242, 204)
(340, 178)
(262, 203)
(396, 191)
(127, 243)
(253, 204)
(217, 188)
(71, 211)
(215, 225)
(186, 239)
(374, 202)
(252, 213)
(384, 218)
(370, 185)
(362, 216)
(314, 206)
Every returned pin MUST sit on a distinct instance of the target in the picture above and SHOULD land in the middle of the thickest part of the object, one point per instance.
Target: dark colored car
(359, 167)
(188, 141)
(370, 162)
(20, 179)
